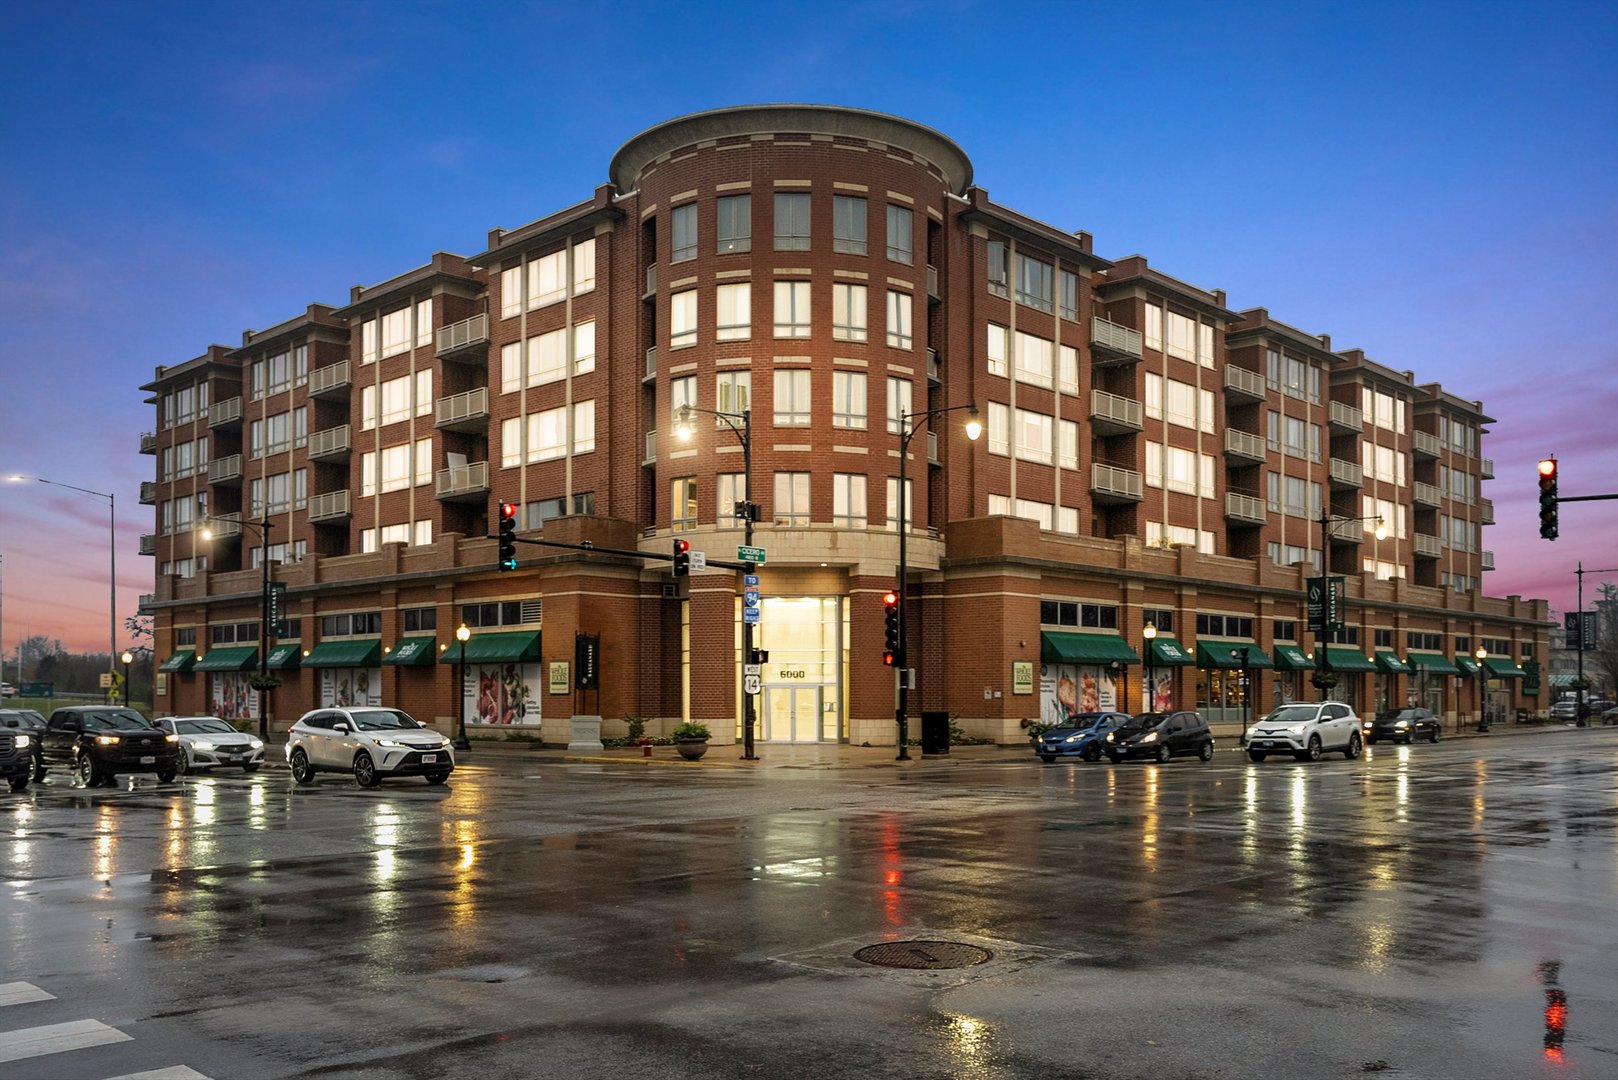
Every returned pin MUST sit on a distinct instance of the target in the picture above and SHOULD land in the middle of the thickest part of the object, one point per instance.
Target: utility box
(934, 733)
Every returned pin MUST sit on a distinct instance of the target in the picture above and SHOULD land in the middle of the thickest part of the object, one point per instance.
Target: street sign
(750, 598)
(750, 554)
(1325, 604)
(752, 669)
(115, 681)
(106, 680)
(699, 560)
(750, 684)
(750, 615)
(750, 580)
(1581, 625)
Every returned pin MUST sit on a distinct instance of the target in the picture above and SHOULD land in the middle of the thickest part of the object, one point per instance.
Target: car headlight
(108, 740)
(444, 744)
(1110, 738)
(175, 738)
(389, 742)
(1402, 723)
(1073, 738)
(256, 743)
(22, 741)
(1295, 730)
(1151, 736)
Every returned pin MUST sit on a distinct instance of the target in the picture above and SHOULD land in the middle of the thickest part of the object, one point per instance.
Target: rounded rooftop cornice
(635, 155)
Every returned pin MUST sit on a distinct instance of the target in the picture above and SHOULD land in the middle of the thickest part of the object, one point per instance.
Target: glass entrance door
(791, 714)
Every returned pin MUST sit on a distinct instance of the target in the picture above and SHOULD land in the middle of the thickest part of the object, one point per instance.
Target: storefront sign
(560, 684)
(1022, 676)
(586, 662)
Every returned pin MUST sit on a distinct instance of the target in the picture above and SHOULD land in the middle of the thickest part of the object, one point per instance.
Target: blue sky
(1434, 183)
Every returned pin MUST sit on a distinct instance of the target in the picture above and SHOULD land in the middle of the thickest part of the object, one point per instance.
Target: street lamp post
(744, 510)
(265, 630)
(1247, 691)
(909, 425)
(112, 561)
(1483, 719)
(1149, 691)
(461, 635)
(127, 658)
(1323, 637)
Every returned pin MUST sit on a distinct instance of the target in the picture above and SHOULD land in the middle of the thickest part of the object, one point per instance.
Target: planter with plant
(1324, 680)
(264, 682)
(691, 740)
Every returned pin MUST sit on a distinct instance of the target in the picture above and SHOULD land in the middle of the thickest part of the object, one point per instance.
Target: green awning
(1467, 665)
(1558, 678)
(1056, 647)
(519, 647)
(413, 652)
(284, 657)
(1503, 667)
(1343, 658)
(1292, 658)
(239, 658)
(182, 659)
(1228, 654)
(344, 654)
(1389, 664)
(1167, 652)
(1435, 663)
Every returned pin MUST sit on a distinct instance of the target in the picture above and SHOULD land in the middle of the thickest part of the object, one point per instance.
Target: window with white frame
(547, 357)
(1180, 470)
(901, 308)
(1034, 286)
(791, 309)
(584, 347)
(584, 266)
(734, 312)
(791, 499)
(1383, 569)
(683, 319)
(791, 222)
(1067, 369)
(405, 465)
(1382, 409)
(999, 428)
(682, 392)
(732, 489)
(547, 434)
(683, 504)
(998, 349)
(848, 312)
(396, 336)
(367, 474)
(1292, 495)
(848, 500)
(511, 291)
(848, 399)
(1205, 344)
(735, 214)
(792, 398)
(899, 234)
(368, 345)
(1033, 436)
(1067, 520)
(683, 245)
(733, 393)
(511, 367)
(547, 279)
(1383, 512)
(848, 224)
(1068, 301)
(1153, 331)
(999, 268)
(424, 323)
(893, 505)
(1186, 405)
(1383, 463)
(1034, 361)
(584, 426)
(1069, 433)
(1160, 535)
(1289, 554)
(1181, 335)
(898, 404)
(511, 442)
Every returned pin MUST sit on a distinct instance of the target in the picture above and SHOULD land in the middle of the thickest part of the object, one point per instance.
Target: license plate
(428, 759)
(235, 757)
(148, 761)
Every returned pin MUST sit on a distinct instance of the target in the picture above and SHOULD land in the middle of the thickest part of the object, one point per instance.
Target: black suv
(100, 741)
(16, 757)
(30, 723)
(1160, 736)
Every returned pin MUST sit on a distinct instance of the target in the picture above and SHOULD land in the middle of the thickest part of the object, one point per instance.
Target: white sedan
(208, 742)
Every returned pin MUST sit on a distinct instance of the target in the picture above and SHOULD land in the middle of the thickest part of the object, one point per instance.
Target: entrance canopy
(284, 657)
(1503, 667)
(179, 660)
(1167, 652)
(344, 654)
(240, 658)
(1228, 654)
(413, 652)
(1291, 658)
(512, 647)
(1466, 665)
(1389, 664)
(1343, 658)
(1435, 663)
(1056, 647)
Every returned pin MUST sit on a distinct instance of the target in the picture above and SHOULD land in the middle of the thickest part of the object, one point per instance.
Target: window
(733, 393)
(848, 319)
(1423, 640)
(542, 511)
(510, 292)
(848, 399)
(683, 503)
(1205, 345)
(1034, 283)
(1154, 326)
(732, 490)
(683, 319)
(1284, 630)
(792, 398)
(547, 279)
(396, 336)
(368, 342)
(735, 213)
(901, 305)
(792, 222)
(1186, 406)
(584, 266)
(547, 358)
(1383, 569)
(1068, 446)
(734, 314)
(1160, 535)
(547, 434)
(424, 323)
(1293, 495)
(998, 349)
(791, 309)
(1289, 554)
(899, 228)
(584, 426)
(999, 428)
(1067, 371)
(898, 403)
(893, 504)
(1180, 470)
(1384, 639)
(417, 619)
(1034, 361)
(848, 224)
(1162, 618)
(1033, 436)
(1070, 613)
(1236, 626)
(1069, 299)
(848, 500)
(999, 269)
(684, 244)
(682, 392)
(792, 498)
(503, 613)
(359, 622)
(1181, 336)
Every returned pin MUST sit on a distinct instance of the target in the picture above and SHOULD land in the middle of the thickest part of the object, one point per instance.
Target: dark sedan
(1404, 726)
(1081, 736)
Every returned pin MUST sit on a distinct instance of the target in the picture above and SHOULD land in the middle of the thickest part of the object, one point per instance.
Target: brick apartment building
(1150, 455)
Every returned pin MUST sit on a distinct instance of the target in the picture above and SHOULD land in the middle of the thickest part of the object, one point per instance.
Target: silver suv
(370, 743)
(1306, 730)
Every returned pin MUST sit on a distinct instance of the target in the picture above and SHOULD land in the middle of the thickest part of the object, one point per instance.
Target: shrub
(690, 730)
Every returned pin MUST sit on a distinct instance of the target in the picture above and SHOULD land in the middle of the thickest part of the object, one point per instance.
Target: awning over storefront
(1558, 678)
(1435, 663)
(413, 652)
(512, 647)
(345, 654)
(1342, 658)
(1167, 652)
(1056, 647)
(1466, 665)
(1503, 667)
(1292, 658)
(1388, 664)
(239, 658)
(1228, 654)
(179, 660)
(284, 657)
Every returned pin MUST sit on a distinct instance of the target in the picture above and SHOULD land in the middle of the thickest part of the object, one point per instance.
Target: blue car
(1083, 736)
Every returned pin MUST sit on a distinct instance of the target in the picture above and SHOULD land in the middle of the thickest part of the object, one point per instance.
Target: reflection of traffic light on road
(890, 622)
(682, 558)
(1547, 498)
(508, 536)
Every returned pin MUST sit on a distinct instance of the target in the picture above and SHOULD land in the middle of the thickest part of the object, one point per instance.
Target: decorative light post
(1149, 691)
(1483, 719)
(127, 658)
(265, 630)
(1323, 679)
(461, 636)
(112, 563)
(1247, 690)
(748, 512)
(909, 425)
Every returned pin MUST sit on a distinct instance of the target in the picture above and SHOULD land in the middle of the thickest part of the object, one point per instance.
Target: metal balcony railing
(464, 338)
(1428, 546)
(1486, 511)
(148, 492)
(1239, 380)
(462, 480)
(331, 506)
(935, 366)
(466, 411)
(1111, 484)
(1427, 494)
(148, 544)
(332, 379)
(225, 412)
(143, 604)
(225, 470)
(932, 283)
(932, 448)
(224, 526)
(1346, 417)
(1346, 473)
(1240, 507)
(651, 363)
(651, 449)
(1488, 560)
(1244, 445)
(1486, 471)
(651, 282)
(1424, 443)
(1112, 343)
(1113, 414)
(148, 442)
(333, 442)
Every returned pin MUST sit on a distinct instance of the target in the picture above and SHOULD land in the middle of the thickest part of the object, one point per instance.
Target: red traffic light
(508, 511)
(681, 547)
(1547, 467)
(890, 598)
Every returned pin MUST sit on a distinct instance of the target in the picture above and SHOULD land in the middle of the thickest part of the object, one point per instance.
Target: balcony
(1110, 484)
(1345, 417)
(330, 507)
(932, 448)
(651, 449)
(1424, 443)
(467, 340)
(651, 364)
(1111, 343)
(1243, 444)
(148, 442)
(1486, 511)
(1247, 383)
(1111, 414)
(463, 483)
(1488, 560)
(225, 412)
(1427, 494)
(225, 470)
(935, 368)
(1428, 547)
(932, 283)
(143, 604)
(330, 381)
(224, 527)
(1486, 471)
(331, 444)
(1346, 474)
(467, 411)
(651, 283)
(1244, 508)
(148, 492)
(148, 544)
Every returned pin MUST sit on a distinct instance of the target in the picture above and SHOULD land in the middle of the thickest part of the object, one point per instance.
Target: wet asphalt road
(1444, 911)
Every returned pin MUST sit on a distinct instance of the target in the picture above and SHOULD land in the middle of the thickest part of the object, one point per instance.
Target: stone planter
(691, 749)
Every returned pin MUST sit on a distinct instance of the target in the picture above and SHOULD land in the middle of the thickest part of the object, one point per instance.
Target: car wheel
(19, 784)
(1205, 751)
(365, 770)
(88, 774)
(1163, 754)
(1256, 755)
(1370, 740)
(1091, 753)
(166, 776)
(39, 773)
(252, 767)
(440, 777)
(1313, 752)
(1408, 739)
(1433, 737)
(1354, 748)
(302, 771)
(1047, 758)
(184, 764)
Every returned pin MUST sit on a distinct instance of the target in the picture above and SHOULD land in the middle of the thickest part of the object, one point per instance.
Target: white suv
(371, 743)
(1306, 730)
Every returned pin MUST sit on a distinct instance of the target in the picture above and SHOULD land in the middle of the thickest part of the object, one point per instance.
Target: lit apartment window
(683, 319)
(683, 502)
(792, 498)
(734, 315)
(682, 392)
(899, 226)
(395, 333)
(910, 504)
(584, 347)
(1034, 359)
(547, 279)
(1069, 446)
(848, 316)
(424, 323)
(732, 490)
(898, 403)
(998, 349)
(684, 243)
(792, 398)
(791, 222)
(547, 357)
(733, 393)
(848, 500)
(848, 399)
(999, 269)
(791, 309)
(900, 309)
(584, 426)
(848, 224)
(735, 214)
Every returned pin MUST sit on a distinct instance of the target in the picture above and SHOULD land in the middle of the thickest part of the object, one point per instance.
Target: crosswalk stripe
(56, 1038)
(20, 993)
(173, 1072)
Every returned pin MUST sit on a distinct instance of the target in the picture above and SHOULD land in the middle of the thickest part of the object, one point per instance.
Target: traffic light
(890, 621)
(1547, 498)
(508, 536)
(682, 558)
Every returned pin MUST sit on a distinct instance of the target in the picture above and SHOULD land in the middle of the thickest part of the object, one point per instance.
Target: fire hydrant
(646, 748)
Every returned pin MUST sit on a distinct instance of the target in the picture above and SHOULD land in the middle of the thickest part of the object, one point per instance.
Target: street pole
(1148, 692)
(264, 627)
(1247, 693)
(1483, 718)
(461, 634)
(1578, 715)
(127, 658)
(1324, 637)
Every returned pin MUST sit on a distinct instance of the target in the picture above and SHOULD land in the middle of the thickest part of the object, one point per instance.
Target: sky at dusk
(1436, 184)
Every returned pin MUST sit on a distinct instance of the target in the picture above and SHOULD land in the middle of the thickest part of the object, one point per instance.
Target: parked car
(1306, 730)
(1567, 709)
(207, 741)
(371, 743)
(1610, 716)
(1160, 736)
(32, 722)
(7, 690)
(1082, 736)
(17, 757)
(98, 742)
(1404, 725)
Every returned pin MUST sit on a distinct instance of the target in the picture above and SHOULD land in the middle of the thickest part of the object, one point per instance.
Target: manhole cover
(923, 954)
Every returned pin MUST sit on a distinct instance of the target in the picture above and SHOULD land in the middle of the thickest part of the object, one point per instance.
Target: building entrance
(791, 714)
(802, 699)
